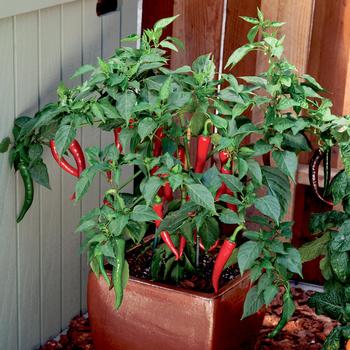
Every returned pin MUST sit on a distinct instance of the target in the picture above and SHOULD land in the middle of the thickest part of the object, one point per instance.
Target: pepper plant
(157, 116)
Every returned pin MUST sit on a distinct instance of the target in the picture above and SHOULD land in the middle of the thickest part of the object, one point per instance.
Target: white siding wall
(42, 275)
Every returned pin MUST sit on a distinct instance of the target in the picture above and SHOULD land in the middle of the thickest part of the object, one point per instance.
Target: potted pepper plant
(206, 180)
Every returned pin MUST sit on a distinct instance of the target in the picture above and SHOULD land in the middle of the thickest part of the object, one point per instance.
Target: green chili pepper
(288, 309)
(102, 269)
(117, 273)
(28, 190)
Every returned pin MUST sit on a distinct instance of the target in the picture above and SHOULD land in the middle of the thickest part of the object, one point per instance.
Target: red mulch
(305, 330)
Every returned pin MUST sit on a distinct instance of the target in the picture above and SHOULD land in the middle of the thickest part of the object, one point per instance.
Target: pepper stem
(205, 128)
(235, 232)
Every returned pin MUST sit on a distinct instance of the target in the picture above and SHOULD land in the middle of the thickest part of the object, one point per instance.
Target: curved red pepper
(169, 242)
(201, 246)
(168, 192)
(220, 262)
(182, 246)
(202, 152)
(181, 155)
(223, 189)
(315, 161)
(158, 209)
(116, 132)
(78, 155)
(62, 162)
(157, 142)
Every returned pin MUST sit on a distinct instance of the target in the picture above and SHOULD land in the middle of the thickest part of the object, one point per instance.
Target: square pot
(156, 316)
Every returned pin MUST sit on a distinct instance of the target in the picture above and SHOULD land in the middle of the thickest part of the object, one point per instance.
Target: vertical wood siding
(42, 275)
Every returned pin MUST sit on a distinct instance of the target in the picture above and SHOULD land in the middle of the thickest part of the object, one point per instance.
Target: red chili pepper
(202, 152)
(182, 246)
(78, 155)
(266, 159)
(203, 145)
(107, 203)
(313, 175)
(168, 192)
(224, 254)
(169, 242)
(201, 246)
(62, 162)
(181, 155)
(224, 156)
(116, 139)
(158, 209)
(157, 142)
(223, 189)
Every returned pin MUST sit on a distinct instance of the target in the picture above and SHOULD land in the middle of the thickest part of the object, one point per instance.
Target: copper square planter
(155, 316)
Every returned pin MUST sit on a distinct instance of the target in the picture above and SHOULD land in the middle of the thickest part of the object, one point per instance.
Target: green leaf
(295, 143)
(197, 122)
(209, 232)
(238, 54)
(146, 127)
(83, 70)
(253, 302)
(175, 219)
(63, 138)
(291, 261)
(278, 185)
(232, 182)
(339, 186)
(228, 216)
(269, 206)
(39, 173)
(201, 195)
(130, 38)
(312, 81)
(162, 23)
(248, 252)
(250, 19)
(287, 162)
(86, 226)
(4, 144)
(329, 303)
(341, 241)
(312, 250)
(125, 105)
(254, 170)
(286, 103)
(218, 122)
(109, 110)
(164, 91)
(143, 213)
(151, 188)
(252, 33)
(340, 263)
(35, 151)
(85, 180)
(270, 293)
(167, 44)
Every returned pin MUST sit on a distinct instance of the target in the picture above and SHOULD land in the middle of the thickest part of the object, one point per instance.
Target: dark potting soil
(140, 267)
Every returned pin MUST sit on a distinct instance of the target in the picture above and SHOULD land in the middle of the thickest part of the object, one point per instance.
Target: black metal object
(105, 6)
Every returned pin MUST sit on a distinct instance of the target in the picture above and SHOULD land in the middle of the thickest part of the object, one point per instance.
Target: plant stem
(197, 250)
(129, 180)
(186, 142)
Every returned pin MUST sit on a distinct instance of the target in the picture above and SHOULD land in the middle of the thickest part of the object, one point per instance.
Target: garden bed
(305, 330)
